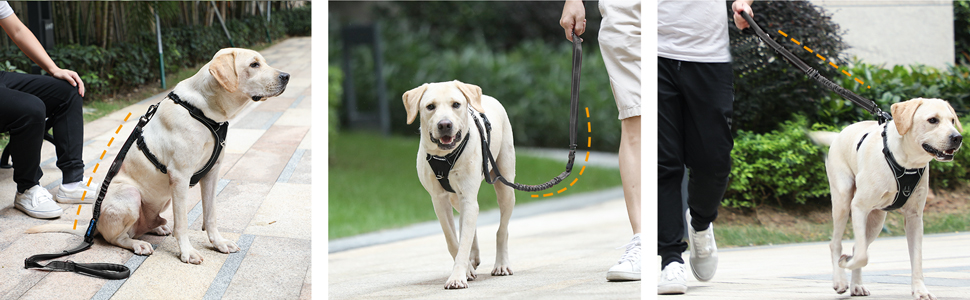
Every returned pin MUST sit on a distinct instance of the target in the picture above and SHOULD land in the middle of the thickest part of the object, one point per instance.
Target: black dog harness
(906, 179)
(218, 130)
(441, 165)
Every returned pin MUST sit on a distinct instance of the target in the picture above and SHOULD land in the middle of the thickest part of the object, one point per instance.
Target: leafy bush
(768, 90)
(335, 91)
(888, 86)
(531, 80)
(783, 165)
(961, 31)
(298, 21)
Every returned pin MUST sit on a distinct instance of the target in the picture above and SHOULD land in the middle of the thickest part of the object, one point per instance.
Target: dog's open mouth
(945, 155)
(446, 142)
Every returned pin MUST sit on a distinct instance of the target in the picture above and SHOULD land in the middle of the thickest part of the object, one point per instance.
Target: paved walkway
(804, 271)
(263, 204)
(558, 255)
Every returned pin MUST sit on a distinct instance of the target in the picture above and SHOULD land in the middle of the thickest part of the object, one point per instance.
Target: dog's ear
(903, 114)
(473, 93)
(958, 124)
(223, 69)
(411, 100)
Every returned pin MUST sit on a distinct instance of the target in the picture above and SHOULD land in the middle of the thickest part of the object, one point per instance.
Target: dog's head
(932, 124)
(443, 108)
(245, 72)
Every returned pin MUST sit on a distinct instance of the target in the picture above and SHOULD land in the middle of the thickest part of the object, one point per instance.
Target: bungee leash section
(100, 270)
(486, 133)
(865, 103)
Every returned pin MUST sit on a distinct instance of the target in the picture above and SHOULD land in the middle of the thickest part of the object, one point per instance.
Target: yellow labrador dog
(220, 90)
(450, 139)
(865, 186)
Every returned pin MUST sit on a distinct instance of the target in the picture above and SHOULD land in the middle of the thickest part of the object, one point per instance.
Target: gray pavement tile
(219, 286)
(237, 204)
(286, 212)
(274, 269)
(303, 174)
(306, 291)
(276, 104)
(257, 120)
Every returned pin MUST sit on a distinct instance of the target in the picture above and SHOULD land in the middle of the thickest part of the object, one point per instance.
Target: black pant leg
(670, 156)
(709, 98)
(23, 116)
(62, 105)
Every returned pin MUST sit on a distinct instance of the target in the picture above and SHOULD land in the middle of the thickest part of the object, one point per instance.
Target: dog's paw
(859, 290)
(142, 247)
(475, 261)
(844, 260)
(470, 275)
(226, 246)
(502, 271)
(191, 256)
(923, 294)
(162, 230)
(456, 283)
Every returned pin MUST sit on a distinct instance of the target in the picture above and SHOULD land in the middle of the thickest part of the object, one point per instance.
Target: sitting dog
(450, 139)
(874, 168)
(181, 146)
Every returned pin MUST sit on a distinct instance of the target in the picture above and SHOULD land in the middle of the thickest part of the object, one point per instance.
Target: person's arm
(27, 42)
(738, 7)
(573, 18)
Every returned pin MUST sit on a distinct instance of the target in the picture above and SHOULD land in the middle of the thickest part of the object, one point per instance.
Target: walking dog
(449, 166)
(875, 168)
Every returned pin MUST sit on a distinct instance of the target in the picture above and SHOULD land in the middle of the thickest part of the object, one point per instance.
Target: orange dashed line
(111, 141)
(547, 195)
(126, 117)
(75, 224)
(588, 128)
(535, 196)
(574, 181)
(84, 195)
(796, 42)
(581, 170)
(587, 155)
(587, 112)
(846, 73)
(820, 57)
(809, 50)
(589, 142)
(89, 180)
(95, 168)
(103, 153)
(119, 129)
(859, 80)
(78, 211)
(560, 191)
(782, 33)
(833, 65)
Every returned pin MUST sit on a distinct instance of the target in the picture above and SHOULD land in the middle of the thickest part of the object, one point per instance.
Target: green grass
(734, 235)
(373, 184)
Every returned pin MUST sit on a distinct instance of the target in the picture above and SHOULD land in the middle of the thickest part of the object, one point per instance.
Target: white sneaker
(672, 280)
(81, 194)
(36, 202)
(703, 251)
(628, 267)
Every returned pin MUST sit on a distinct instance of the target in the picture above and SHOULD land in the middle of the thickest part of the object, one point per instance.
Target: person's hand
(738, 7)
(71, 77)
(573, 18)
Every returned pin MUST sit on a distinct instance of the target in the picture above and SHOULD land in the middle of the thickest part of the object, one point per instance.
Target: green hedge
(531, 80)
(124, 65)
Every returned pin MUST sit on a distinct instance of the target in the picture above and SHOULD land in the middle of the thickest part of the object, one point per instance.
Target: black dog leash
(100, 270)
(865, 103)
(486, 135)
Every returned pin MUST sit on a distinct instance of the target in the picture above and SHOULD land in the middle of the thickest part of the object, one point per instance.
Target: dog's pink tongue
(446, 139)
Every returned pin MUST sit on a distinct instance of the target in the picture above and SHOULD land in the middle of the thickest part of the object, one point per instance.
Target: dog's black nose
(284, 77)
(956, 139)
(444, 125)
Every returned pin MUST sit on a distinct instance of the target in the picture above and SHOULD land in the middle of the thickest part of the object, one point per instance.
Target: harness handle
(863, 102)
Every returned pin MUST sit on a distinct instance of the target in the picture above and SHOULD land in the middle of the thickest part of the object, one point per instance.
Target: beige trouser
(619, 40)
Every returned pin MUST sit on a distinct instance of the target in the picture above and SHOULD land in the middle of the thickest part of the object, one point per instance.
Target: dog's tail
(59, 227)
(824, 138)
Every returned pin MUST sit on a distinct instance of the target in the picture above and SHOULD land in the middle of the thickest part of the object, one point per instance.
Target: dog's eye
(430, 106)
(254, 65)
(933, 120)
(456, 105)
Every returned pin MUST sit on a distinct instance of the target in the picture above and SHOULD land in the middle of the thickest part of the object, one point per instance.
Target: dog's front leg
(179, 184)
(209, 183)
(914, 238)
(860, 255)
(463, 271)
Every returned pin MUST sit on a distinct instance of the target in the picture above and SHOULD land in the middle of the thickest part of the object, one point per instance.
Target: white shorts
(619, 39)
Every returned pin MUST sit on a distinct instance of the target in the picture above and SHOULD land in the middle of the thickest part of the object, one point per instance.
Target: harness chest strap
(441, 165)
(218, 130)
(906, 179)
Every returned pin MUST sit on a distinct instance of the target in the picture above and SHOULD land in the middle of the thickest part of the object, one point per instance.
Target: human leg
(629, 156)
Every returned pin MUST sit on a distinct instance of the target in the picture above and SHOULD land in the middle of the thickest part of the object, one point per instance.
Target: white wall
(895, 32)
